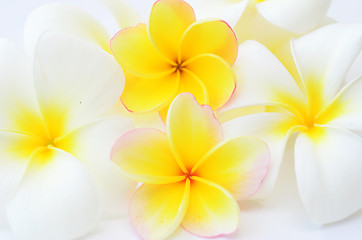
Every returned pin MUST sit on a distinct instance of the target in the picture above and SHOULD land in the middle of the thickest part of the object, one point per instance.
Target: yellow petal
(215, 37)
(157, 210)
(217, 76)
(212, 210)
(168, 21)
(135, 53)
(192, 129)
(189, 82)
(239, 165)
(145, 155)
(143, 94)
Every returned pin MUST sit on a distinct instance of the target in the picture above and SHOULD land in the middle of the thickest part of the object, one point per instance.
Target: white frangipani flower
(56, 179)
(325, 116)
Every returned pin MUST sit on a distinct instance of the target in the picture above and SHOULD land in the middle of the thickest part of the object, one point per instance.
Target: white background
(279, 217)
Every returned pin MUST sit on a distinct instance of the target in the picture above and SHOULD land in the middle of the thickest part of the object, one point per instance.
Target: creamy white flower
(325, 115)
(56, 179)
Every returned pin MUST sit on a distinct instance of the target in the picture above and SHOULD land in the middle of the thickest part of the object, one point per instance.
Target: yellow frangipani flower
(175, 53)
(190, 175)
(324, 116)
(54, 147)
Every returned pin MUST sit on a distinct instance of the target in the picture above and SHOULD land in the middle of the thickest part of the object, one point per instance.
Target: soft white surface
(281, 216)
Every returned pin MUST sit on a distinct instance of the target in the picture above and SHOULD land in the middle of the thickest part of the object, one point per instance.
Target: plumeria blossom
(55, 180)
(190, 175)
(325, 115)
(175, 53)
(194, 56)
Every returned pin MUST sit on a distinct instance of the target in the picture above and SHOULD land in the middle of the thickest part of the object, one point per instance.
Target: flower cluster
(175, 119)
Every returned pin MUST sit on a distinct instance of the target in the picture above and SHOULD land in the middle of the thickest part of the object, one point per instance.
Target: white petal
(324, 56)
(346, 109)
(92, 144)
(17, 93)
(298, 16)
(66, 18)
(227, 10)
(15, 151)
(274, 129)
(57, 200)
(328, 170)
(261, 79)
(125, 14)
(75, 81)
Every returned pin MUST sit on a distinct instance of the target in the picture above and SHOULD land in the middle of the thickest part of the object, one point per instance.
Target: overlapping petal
(209, 36)
(157, 210)
(149, 94)
(92, 144)
(135, 53)
(192, 130)
(64, 18)
(217, 77)
(243, 171)
(274, 129)
(212, 210)
(56, 200)
(172, 17)
(328, 167)
(94, 77)
(145, 155)
(323, 58)
(191, 83)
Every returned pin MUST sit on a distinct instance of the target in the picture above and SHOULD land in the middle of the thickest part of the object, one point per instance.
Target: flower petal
(307, 14)
(65, 18)
(345, 110)
(19, 108)
(135, 53)
(274, 129)
(263, 80)
(92, 144)
(212, 210)
(145, 155)
(190, 83)
(217, 76)
(75, 82)
(238, 165)
(192, 129)
(228, 10)
(125, 14)
(172, 17)
(328, 167)
(209, 36)
(157, 210)
(324, 56)
(56, 200)
(142, 94)
(15, 151)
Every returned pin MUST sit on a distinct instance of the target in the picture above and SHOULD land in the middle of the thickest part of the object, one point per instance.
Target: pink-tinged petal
(328, 167)
(168, 21)
(57, 199)
(145, 155)
(192, 129)
(157, 210)
(298, 16)
(212, 210)
(238, 165)
(272, 128)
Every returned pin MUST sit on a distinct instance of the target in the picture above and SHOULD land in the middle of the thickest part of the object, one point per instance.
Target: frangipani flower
(325, 116)
(190, 175)
(175, 54)
(55, 180)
